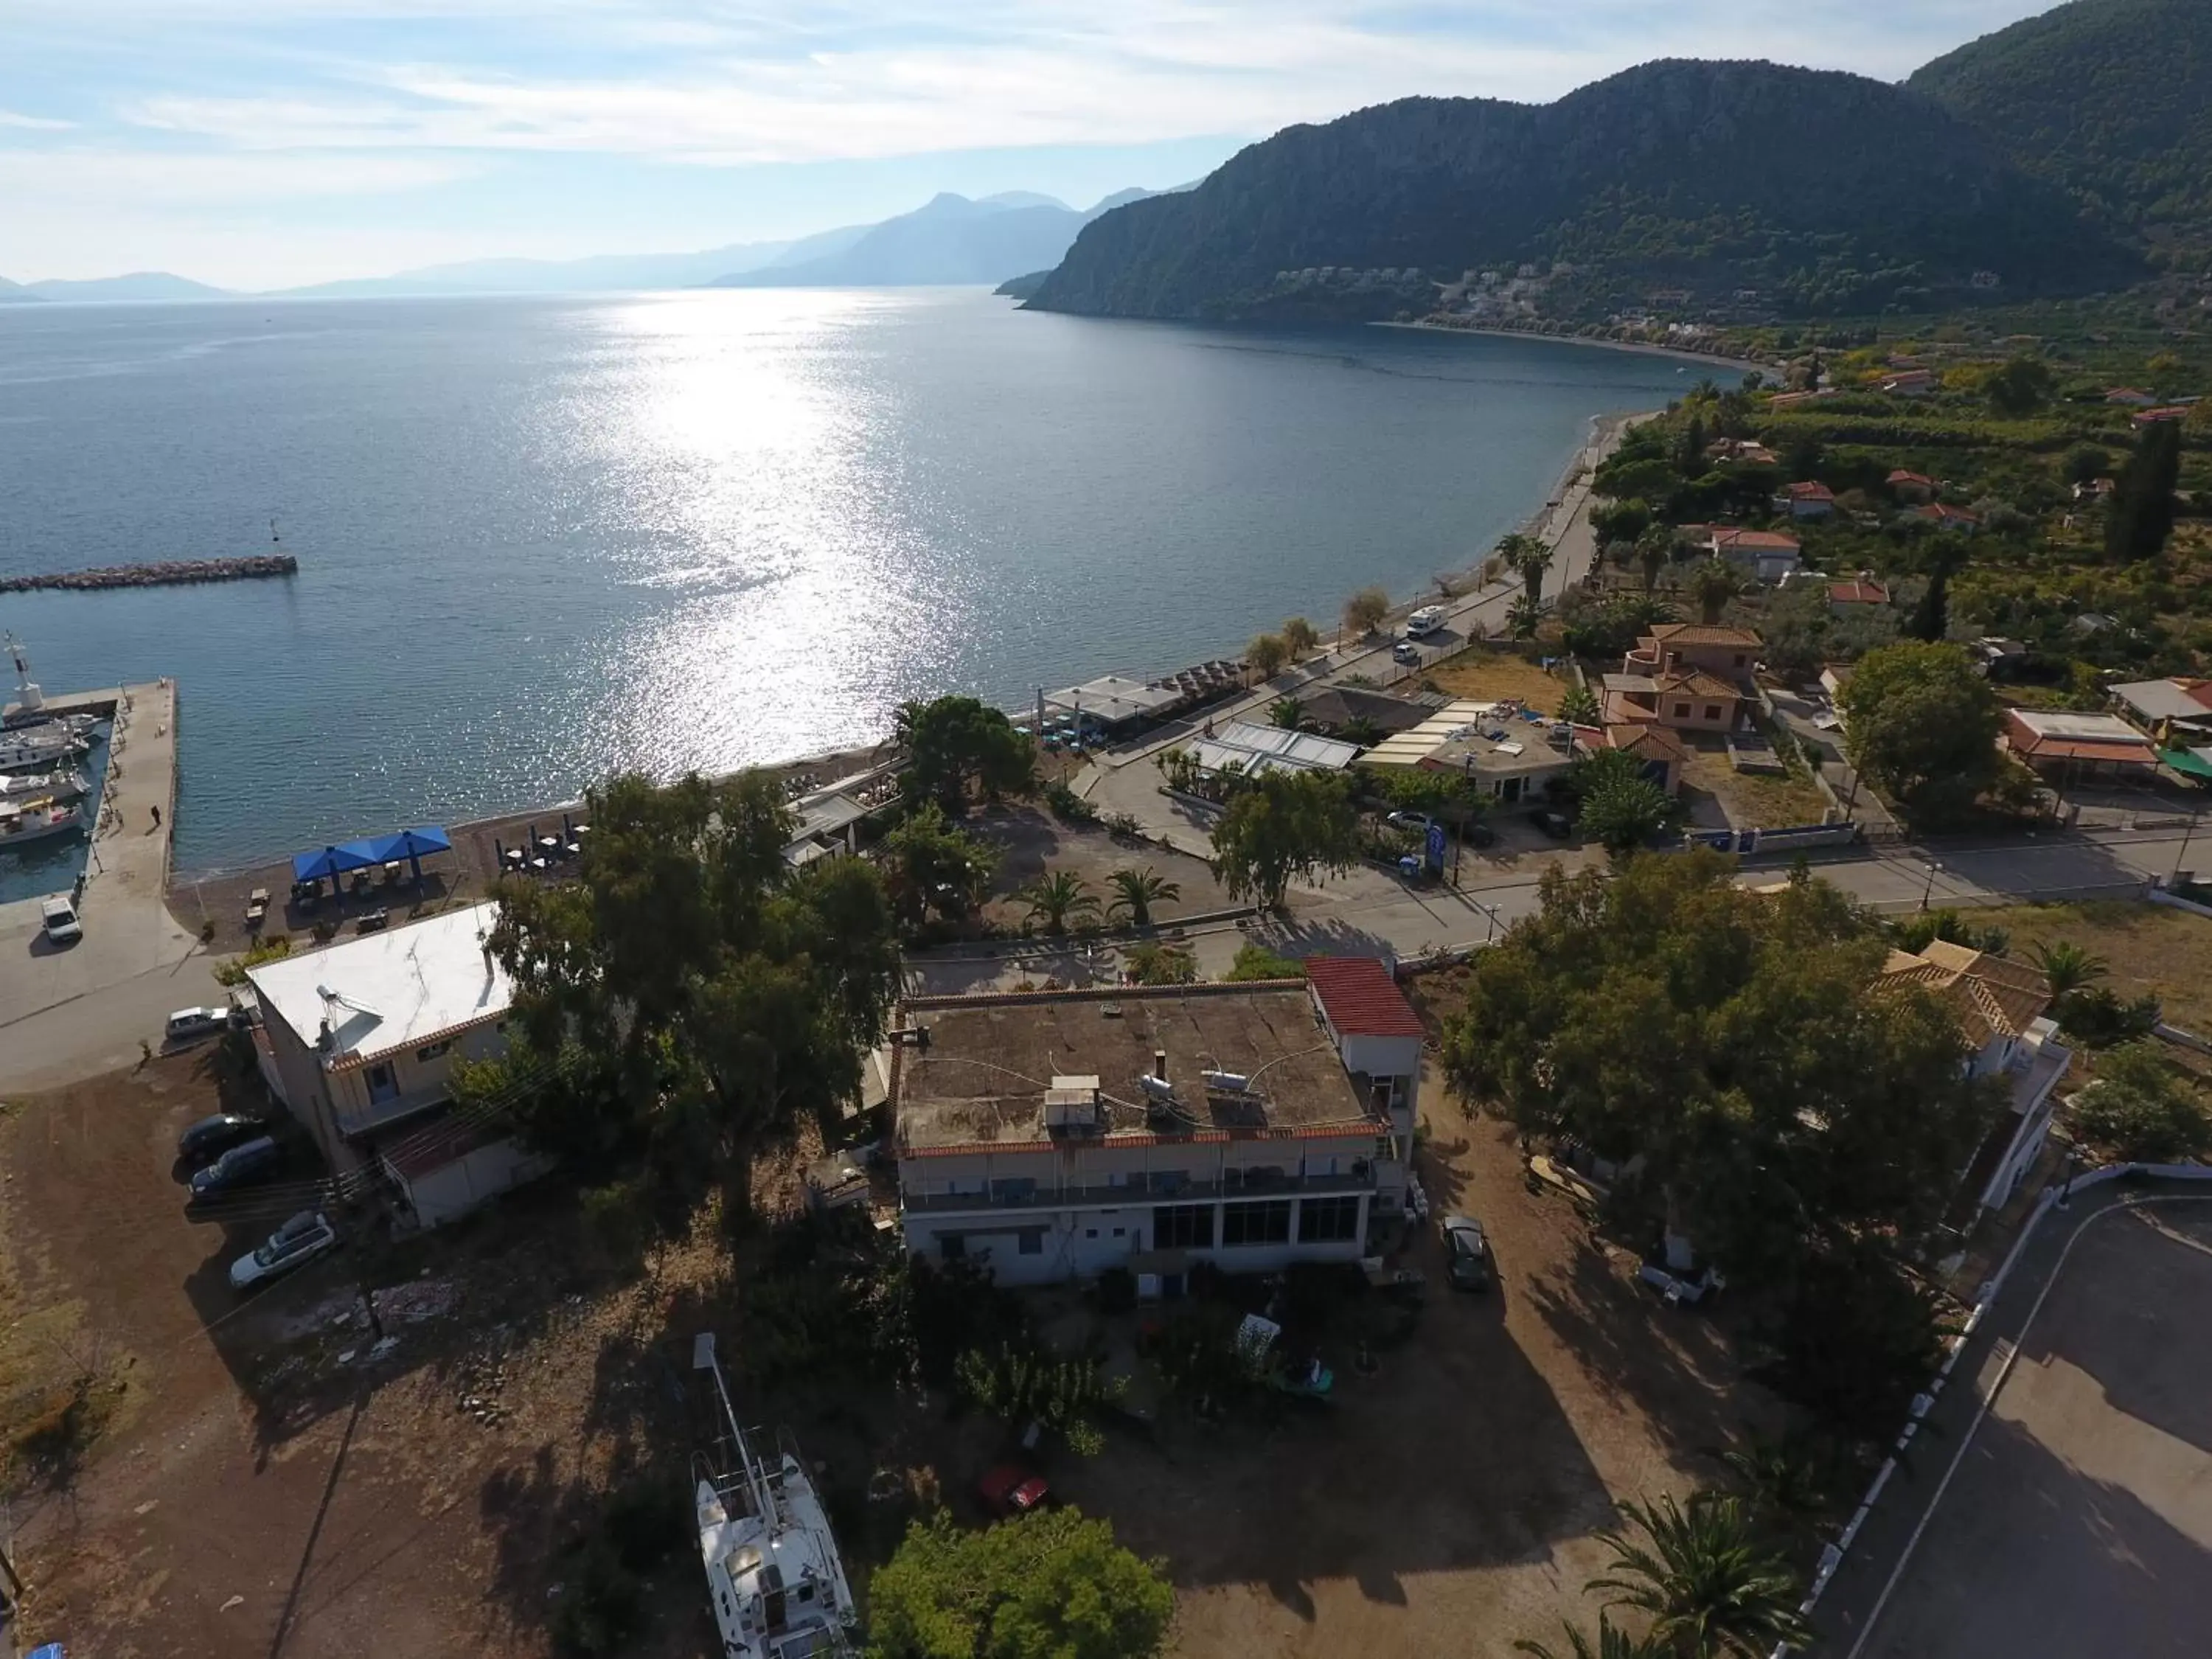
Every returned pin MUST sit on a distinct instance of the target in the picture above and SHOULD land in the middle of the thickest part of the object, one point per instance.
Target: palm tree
(1713, 584)
(1580, 706)
(1286, 712)
(1524, 617)
(1712, 1589)
(2067, 966)
(1362, 731)
(1613, 1643)
(1653, 549)
(1135, 893)
(1060, 898)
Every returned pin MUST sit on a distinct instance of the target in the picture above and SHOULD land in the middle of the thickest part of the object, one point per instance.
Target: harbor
(168, 574)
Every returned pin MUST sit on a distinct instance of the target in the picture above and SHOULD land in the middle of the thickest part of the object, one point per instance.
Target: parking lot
(2079, 1518)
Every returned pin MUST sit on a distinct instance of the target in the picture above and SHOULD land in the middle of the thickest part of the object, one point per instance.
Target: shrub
(275, 946)
(1068, 807)
(2099, 1016)
(600, 1601)
(1256, 961)
(2140, 1109)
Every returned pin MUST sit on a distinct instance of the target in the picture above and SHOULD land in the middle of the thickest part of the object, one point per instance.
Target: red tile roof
(1942, 512)
(2179, 412)
(1901, 476)
(1811, 490)
(1764, 541)
(1857, 593)
(1360, 997)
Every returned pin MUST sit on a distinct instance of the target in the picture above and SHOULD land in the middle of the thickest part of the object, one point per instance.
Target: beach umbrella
(421, 841)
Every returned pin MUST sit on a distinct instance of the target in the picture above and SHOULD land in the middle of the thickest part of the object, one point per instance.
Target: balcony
(1132, 1197)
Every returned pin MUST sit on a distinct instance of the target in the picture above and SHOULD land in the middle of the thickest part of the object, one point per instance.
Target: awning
(329, 861)
(2190, 764)
(370, 850)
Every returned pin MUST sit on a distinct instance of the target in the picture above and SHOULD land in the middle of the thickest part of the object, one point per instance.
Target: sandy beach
(1640, 347)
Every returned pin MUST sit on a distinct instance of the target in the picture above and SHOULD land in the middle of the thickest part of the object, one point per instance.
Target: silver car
(1467, 1254)
(298, 1241)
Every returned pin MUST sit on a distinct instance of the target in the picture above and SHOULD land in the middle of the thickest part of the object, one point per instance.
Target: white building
(1055, 1134)
(358, 1040)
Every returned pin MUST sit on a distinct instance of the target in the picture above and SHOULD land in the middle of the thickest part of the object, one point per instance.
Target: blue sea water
(541, 538)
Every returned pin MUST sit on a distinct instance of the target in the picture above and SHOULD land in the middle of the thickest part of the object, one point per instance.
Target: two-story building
(357, 1040)
(2000, 1007)
(1691, 677)
(1055, 1134)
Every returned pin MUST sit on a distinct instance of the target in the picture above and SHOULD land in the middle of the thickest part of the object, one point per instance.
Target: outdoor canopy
(370, 850)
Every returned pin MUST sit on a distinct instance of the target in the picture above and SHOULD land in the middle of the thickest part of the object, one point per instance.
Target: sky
(264, 143)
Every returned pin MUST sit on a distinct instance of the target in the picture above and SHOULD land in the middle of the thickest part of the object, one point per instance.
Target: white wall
(1067, 1248)
(452, 1190)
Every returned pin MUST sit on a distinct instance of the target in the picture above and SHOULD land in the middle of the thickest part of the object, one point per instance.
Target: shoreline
(1602, 435)
(1642, 348)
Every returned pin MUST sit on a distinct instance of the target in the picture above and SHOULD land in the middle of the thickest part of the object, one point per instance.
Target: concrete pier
(167, 574)
(69, 1011)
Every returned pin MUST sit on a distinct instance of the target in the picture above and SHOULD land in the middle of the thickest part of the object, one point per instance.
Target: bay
(543, 538)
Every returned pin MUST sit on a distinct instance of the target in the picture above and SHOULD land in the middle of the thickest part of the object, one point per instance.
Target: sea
(541, 539)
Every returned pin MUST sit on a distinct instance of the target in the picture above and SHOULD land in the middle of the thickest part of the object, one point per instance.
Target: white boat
(33, 747)
(57, 786)
(23, 823)
(773, 1571)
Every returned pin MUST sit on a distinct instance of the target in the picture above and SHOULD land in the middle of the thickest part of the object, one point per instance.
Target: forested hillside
(1816, 191)
(2112, 99)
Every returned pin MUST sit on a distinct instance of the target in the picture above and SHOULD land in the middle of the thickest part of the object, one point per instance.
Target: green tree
(1920, 722)
(1654, 548)
(953, 745)
(1256, 961)
(1049, 1585)
(1712, 1590)
(1364, 611)
(1299, 638)
(1531, 558)
(2139, 517)
(2067, 966)
(1624, 521)
(721, 996)
(1135, 893)
(1713, 583)
(1931, 617)
(1613, 1643)
(1579, 704)
(1266, 655)
(1287, 713)
(2087, 463)
(1058, 898)
(931, 864)
(1284, 826)
(2022, 386)
(1621, 809)
(1524, 617)
(1026, 1387)
(2139, 1109)
(1152, 963)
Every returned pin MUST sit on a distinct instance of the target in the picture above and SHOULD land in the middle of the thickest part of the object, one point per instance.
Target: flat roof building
(2046, 738)
(1055, 1134)
(1254, 748)
(1494, 743)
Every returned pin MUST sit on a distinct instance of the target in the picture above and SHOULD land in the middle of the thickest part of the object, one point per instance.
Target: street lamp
(2174, 880)
(1928, 892)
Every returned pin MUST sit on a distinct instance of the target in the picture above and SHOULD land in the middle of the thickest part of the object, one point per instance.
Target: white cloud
(16, 118)
(162, 180)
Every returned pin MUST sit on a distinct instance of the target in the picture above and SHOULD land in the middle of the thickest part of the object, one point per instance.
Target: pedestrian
(157, 817)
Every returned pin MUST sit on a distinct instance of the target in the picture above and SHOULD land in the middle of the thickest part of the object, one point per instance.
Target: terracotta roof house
(1912, 383)
(1862, 590)
(1662, 753)
(2176, 412)
(1810, 500)
(1945, 517)
(2176, 707)
(2130, 395)
(2000, 1007)
(1729, 652)
(2052, 740)
(1746, 450)
(1689, 700)
(1911, 486)
(1768, 555)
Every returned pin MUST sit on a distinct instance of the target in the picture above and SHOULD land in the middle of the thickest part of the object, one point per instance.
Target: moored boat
(22, 823)
(56, 786)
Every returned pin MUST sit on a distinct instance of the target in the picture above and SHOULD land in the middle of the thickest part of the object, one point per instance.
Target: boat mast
(702, 1359)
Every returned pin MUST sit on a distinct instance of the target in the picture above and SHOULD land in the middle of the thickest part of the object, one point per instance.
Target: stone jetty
(160, 575)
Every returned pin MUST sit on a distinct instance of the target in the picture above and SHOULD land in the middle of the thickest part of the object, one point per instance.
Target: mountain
(15, 294)
(599, 273)
(2112, 99)
(1812, 190)
(138, 285)
(949, 239)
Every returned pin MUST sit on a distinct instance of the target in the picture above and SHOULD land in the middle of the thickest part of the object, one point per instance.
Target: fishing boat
(56, 786)
(30, 748)
(22, 823)
(773, 1571)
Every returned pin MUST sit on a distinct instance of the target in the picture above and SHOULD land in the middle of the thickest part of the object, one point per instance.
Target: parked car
(211, 1137)
(59, 919)
(1467, 1254)
(1418, 821)
(1558, 825)
(190, 1024)
(1406, 651)
(1010, 1489)
(298, 1241)
(246, 1164)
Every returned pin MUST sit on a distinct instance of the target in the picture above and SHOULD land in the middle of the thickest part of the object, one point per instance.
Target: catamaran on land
(773, 1571)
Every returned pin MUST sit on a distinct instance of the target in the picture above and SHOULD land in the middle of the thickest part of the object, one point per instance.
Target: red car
(1010, 1489)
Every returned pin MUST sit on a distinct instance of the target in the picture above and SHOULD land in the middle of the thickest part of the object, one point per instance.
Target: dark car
(211, 1137)
(1467, 1254)
(1558, 825)
(243, 1166)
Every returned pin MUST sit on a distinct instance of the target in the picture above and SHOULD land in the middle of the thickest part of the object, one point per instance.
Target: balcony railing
(1130, 1197)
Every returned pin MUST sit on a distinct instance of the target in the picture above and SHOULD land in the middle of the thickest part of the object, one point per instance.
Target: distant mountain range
(949, 239)
(2057, 156)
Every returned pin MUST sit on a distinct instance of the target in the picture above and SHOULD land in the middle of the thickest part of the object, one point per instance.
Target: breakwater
(160, 575)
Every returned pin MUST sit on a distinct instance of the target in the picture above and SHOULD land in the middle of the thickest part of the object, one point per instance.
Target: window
(952, 1247)
(1030, 1240)
(1183, 1226)
(1681, 711)
(1328, 1220)
(1266, 1222)
(1014, 1190)
(383, 1083)
(1090, 1233)
(1712, 711)
(433, 1051)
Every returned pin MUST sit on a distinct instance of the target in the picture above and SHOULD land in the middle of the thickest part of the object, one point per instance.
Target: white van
(59, 917)
(1426, 620)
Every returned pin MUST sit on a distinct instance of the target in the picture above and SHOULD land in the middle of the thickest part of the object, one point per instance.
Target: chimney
(1160, 1064)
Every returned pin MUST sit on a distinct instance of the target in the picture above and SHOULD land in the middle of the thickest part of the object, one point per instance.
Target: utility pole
(2195, 818)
